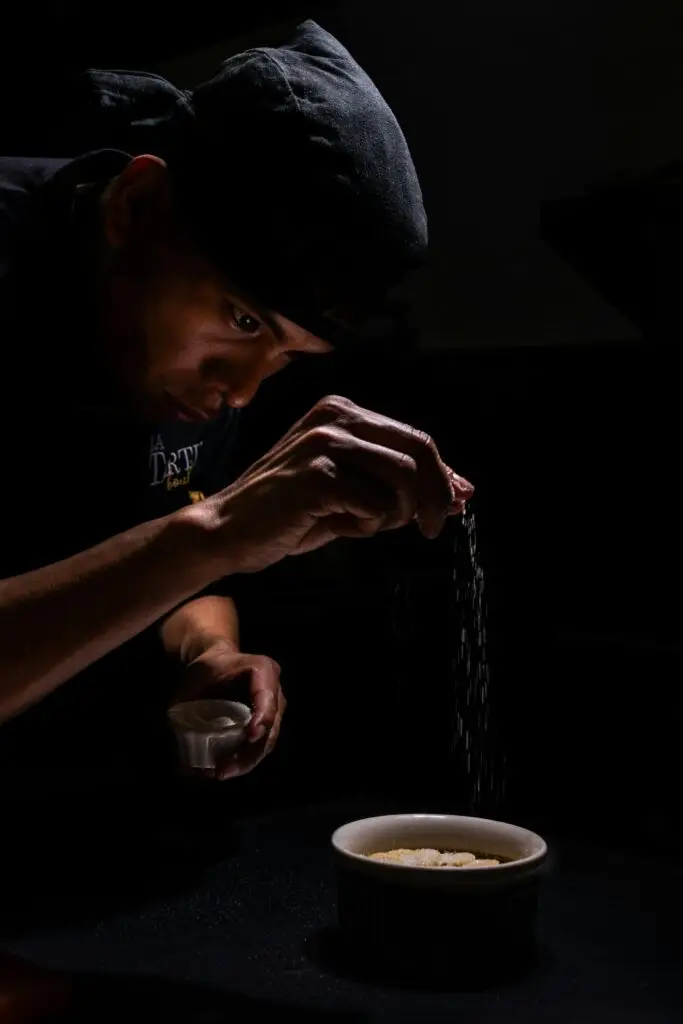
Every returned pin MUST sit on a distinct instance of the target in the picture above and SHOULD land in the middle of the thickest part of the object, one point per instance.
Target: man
(142, 303)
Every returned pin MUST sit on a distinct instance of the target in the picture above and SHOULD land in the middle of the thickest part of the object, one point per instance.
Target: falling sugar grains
(473, 743)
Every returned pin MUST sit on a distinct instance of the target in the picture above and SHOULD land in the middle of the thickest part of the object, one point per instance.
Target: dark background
(562, 410)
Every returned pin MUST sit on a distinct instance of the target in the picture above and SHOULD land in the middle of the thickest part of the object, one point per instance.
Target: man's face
(181, 343)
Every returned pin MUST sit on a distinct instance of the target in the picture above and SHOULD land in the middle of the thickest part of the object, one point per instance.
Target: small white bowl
(202, 732)
(447, 921)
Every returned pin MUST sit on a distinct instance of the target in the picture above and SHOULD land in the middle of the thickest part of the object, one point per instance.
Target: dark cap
(298, 183)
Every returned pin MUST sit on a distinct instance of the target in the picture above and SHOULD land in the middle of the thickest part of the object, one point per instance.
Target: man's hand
(216, 672)
(341, 471)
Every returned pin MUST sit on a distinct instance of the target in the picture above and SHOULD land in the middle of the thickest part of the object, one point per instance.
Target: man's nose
(242, 390)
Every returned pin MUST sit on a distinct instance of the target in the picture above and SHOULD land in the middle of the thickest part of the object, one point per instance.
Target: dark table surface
(195, 921)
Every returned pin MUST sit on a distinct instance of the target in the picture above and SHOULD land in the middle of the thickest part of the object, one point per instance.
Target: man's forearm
(56, 621)
(189, 630)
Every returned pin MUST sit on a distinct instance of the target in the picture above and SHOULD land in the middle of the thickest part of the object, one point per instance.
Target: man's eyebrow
(270, 321)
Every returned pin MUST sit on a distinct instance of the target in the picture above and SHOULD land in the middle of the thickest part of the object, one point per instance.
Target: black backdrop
(575, 456)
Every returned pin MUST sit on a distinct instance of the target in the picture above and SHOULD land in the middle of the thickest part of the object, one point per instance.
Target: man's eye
(244, 321)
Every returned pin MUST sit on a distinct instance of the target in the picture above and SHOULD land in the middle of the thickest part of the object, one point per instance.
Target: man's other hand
(217, 673)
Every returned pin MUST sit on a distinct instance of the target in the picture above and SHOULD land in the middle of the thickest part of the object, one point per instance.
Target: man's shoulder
(27, 172)
(21, 182)
(27, 250)
(21, 179)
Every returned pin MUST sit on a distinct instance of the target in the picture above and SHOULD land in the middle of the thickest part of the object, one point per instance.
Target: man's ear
(138, 200)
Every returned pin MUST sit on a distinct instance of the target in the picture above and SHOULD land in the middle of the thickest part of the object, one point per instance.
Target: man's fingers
(457, 508)
(366, 489)
(375, 485)
(265, 686)
(338, 428)
(274, 733)
(462, 490)
(358, 501)
(372, 488)
(337, 434)
(437, 486)
(250, 755)
(394, 470)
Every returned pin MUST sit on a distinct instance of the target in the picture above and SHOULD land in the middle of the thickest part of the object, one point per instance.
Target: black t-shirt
(76, 471)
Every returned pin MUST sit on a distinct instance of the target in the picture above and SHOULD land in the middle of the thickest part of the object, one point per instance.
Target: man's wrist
(196, 644)
(205, 523)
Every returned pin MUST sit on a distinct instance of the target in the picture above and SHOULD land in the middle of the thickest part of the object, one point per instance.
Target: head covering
(298, 183)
